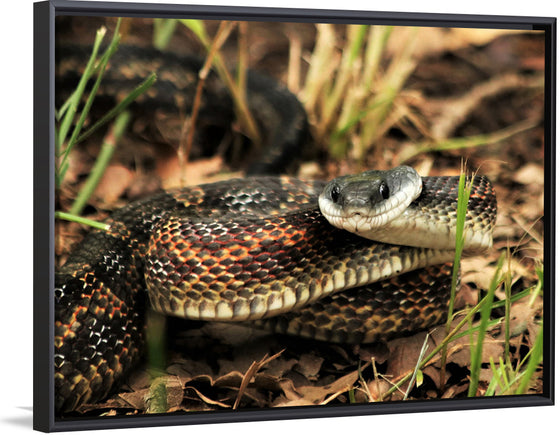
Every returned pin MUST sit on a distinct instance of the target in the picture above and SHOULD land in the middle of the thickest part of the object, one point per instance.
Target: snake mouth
(359, 223)
(366, 202)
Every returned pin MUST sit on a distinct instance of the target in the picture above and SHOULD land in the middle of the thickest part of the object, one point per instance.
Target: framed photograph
(261, 214)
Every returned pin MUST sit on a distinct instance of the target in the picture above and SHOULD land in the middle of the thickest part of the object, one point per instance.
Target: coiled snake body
(258, 248)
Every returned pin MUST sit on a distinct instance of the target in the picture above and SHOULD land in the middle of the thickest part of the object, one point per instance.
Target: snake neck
(431, 220)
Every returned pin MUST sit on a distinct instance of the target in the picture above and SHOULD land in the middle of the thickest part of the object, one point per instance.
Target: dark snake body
(242, 249)
(238, 250)
(162, 110)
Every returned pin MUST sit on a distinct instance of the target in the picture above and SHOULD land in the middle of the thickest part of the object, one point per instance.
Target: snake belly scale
(254, 249)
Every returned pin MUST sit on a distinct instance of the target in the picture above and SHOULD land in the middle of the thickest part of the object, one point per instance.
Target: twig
(364, 383)
(187, 134)
(243, 56)
(243, 113)
(423, 351)
(437, 350)
(294, 62)
(252, 371)
(456, 111)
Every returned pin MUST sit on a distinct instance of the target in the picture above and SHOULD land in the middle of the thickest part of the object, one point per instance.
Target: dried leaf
(115, 181)
(309, 365)
(206, 399)
(460, 350)
(466, 297)
(135, 399)
(404, 353)
(279, 367)
(454, 391)
(477, 270)
(289, 389)
(248, 376)
(377, 388)
(197, 172)
(531, 173)
(434, 373)
(317, 395)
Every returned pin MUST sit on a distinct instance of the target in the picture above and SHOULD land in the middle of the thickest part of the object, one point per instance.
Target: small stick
(250, 373)
(189, 126)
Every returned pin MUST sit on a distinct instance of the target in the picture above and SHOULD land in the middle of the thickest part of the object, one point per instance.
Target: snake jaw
(366, 202)
(388, 207)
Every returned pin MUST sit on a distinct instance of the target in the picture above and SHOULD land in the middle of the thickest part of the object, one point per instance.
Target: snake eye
(335, 193)
(384, 190)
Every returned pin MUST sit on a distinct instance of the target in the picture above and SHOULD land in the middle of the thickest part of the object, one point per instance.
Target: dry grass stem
(189, 126)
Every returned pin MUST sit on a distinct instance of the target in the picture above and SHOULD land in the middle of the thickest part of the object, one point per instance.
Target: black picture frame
(44, 28)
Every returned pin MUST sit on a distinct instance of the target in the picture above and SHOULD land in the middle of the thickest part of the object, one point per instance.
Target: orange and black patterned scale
(238, 250)
(100, 293)
(401, 305)
(100, 297)
(261, 266)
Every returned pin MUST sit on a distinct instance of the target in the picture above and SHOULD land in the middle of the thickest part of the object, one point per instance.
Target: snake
(360, 258)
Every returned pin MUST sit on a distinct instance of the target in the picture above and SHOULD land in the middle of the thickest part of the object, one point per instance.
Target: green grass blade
(466, 142)
(417, 373)
(496, 380)
(376, 44)
(353, 121)
(463, 195)
(81, 220)
(350, 55)
(507, 320)
(101, 163)
(392, 83)
(163, 32)
(476, 353)
(197, 27)
(449, 337)
(119, 108)
(71, 107)
(534, 361)
(85, 111)
(92, 67)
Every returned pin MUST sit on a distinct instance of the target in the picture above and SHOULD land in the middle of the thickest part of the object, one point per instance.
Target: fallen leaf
(206, 399)
(279, 367)
(317, 395)
(116, 179)
(377, 388)
(309, 365)
(196, 172)
(404, 354)
(531, 173)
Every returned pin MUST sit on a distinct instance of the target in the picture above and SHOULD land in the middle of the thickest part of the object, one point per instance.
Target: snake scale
(260, 249)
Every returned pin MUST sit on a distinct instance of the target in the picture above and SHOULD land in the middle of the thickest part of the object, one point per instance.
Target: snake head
(364, 202)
